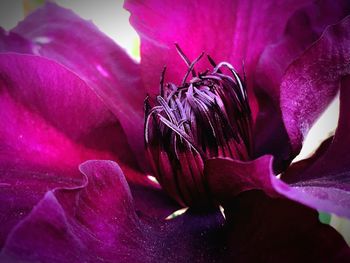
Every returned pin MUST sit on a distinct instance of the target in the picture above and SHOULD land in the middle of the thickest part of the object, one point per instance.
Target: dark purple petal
(96, 222)
(303, 28)
(262, 229)
(228, 178)
(23, 184)
(279, 230)
(326, 175)
(312, 81)
(59, 34)
(232, 31)
(12, 42)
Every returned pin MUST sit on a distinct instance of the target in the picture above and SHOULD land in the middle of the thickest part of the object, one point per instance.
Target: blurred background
(110, 17)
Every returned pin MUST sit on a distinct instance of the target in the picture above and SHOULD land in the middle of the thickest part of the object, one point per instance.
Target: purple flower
(70, 99)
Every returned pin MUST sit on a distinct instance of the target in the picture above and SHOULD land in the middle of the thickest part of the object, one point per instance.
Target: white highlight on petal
(102, 71)
(323, 128)
(42, 40)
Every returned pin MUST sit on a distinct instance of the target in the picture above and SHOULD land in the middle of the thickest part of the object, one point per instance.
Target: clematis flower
(74, 181)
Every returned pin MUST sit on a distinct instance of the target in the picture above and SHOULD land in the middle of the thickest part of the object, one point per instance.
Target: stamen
(162, 76)
(184, 57)
(190, 68)
(205, 117)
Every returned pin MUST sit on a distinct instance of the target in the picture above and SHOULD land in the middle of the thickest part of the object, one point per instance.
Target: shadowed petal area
(263, 229)
(96, 222)
(228, 178)
(326, 175)
(312, 81)
(59, 34)
(23, 184)
(232, 31)
(303, 28)
(277, 229)
(12, 42)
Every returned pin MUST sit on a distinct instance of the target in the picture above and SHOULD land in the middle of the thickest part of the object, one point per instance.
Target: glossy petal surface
(312, 81)
(303, 28)
(326, 175)
(232, 31)
(59, 34)
(48, 110)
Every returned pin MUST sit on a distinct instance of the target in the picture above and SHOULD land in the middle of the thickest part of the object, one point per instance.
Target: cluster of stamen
(206, 117)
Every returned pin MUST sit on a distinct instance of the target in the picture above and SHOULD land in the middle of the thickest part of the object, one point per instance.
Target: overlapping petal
(302, 30)
(50, 116)
(54, 122)
(233, 31)
(262, 229)
(228, 178)
(12, 42)
(59, 34)
(312, 81)
(23, 184)
(97, 222)
(51, 122)
(258, 214)
(326, 175)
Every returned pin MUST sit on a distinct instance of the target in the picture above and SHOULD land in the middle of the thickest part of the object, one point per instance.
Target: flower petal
(228, 178)
(227, 30)
(59, 34)
(326, 175)
(303, 28)
(50, 117)
(12, 42)
(23, 184)
(96, 222)
(312, 81)
(269, 223)
(263, 229)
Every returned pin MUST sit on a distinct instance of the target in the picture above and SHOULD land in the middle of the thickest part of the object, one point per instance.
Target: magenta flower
(71, 99)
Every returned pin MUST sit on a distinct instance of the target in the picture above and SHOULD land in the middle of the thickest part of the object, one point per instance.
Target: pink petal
(59, 34)
(312, 81)
(50, 117)
(233, 31)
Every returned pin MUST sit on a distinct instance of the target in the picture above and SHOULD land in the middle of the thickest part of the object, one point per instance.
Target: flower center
(207, 117)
